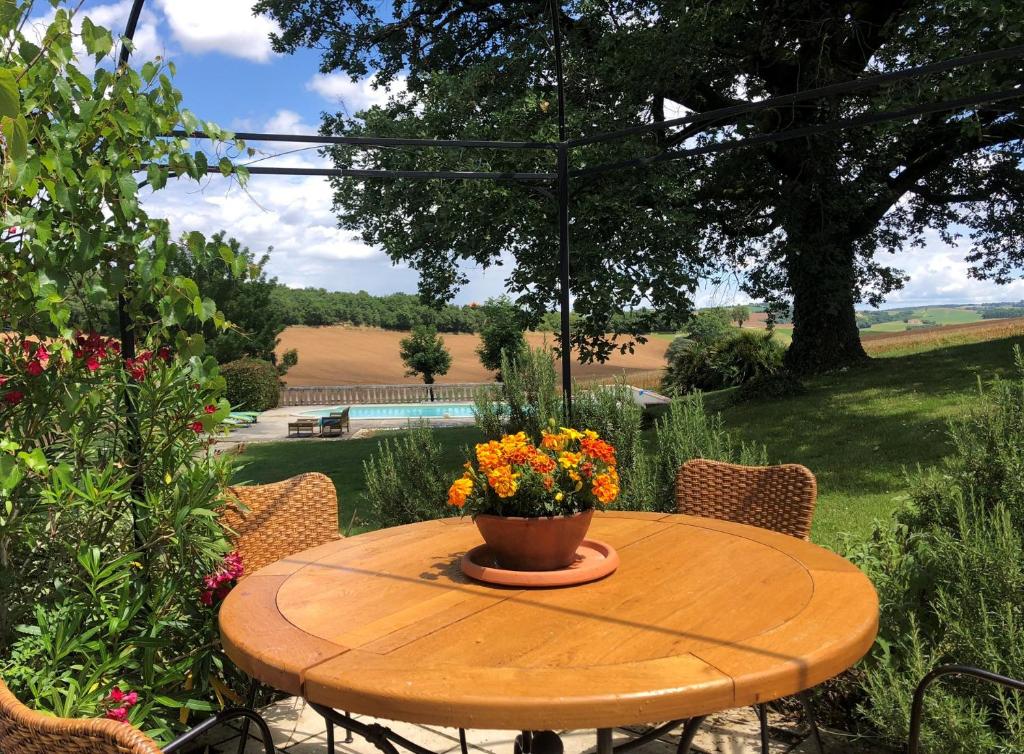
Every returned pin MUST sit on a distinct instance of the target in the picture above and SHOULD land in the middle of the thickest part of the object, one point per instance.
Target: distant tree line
(398, 311)
(1002, 312)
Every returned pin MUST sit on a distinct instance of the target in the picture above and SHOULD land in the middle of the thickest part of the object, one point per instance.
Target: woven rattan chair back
(25, 731)
(282, 518)
(780, 498)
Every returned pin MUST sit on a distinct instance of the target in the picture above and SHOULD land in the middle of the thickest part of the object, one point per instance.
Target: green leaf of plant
(10, 100)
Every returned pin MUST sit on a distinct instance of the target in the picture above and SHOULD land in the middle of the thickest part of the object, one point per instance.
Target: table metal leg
(604, 741)
(762, 719)
(250, 703)
(689, 733)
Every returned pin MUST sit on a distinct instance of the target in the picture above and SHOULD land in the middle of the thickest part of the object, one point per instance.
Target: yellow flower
(553, 441)
(459, 491)
(570, 433)
(489, 455)
(568, 460)
(559, 497)
(503, 481)
(590, 434)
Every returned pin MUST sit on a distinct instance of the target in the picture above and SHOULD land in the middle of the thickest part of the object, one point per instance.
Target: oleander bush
(111, 557)
(949, 570)
(736, 359)
(251, 384)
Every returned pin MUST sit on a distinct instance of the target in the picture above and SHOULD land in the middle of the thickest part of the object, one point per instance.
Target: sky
(228, 74)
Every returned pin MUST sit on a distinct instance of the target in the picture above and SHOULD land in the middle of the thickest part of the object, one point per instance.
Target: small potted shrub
(533, 504)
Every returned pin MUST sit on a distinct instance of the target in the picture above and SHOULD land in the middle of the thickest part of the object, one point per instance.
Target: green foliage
(687, 430)
(108, 520)
(739, 314)
(950, 577)
(315, 307)
(526, 401)
(771, 387)
(237, 284)
(406, 481)
(709, 326)
(252, 385)
(734, 360)
(501, 334)
(423, 353)
(612, 412)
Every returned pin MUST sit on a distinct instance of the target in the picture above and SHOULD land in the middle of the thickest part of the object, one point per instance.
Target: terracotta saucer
(594, 560)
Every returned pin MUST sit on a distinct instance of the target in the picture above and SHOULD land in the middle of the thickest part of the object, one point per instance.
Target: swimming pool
(401, 411)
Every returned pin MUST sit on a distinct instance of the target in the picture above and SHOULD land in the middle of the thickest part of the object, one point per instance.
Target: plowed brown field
(342, 355)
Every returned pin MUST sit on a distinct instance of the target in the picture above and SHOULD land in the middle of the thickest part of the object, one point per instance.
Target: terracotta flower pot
(534, 544)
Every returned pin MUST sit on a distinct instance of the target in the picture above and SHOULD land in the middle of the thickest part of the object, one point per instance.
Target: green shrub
(526, 401)
(612, 412)
(406, 480)
(686, 430)
(949, 571)
(727, 362)
(251, 384)
(771, 387)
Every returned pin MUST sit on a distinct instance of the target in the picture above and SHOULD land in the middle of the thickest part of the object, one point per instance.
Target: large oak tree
(812, 220)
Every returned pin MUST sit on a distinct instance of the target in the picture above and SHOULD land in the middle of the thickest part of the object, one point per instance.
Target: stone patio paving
(298, 729)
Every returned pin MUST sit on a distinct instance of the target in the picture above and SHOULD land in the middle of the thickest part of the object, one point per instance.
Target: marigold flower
(489, 455)
(459, 491)
(599, 449)
(553, 441)
(568, 460)
(542, 464)
(605, 488)
(503, 481)
(570, 433)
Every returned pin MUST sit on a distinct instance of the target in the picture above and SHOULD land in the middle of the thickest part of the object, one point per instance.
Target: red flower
(197, 427)
(92, 363)
(116, 695)
(117, 713)
(210, 409)
(42, 354)
(164, 353)
(26, 347)
(4, 380)
(34, 368)
(14, 397)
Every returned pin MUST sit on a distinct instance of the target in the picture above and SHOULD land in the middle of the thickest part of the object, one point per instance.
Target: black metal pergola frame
(564, 147)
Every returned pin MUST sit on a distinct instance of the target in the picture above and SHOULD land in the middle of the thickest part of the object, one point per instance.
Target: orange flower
(606, 487)
(503, 481)
(599, 449)
(553, 441)
(459, 491)
(489, 455)
(542, 464)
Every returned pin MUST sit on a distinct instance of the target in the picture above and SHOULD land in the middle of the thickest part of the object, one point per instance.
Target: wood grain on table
(701, 616)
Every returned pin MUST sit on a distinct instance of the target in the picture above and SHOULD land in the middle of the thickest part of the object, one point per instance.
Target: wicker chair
(25, 731)
(281, 519)
(780, 498)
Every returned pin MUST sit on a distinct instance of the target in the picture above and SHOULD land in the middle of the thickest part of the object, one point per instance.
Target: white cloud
(353, 96)
(225, 26)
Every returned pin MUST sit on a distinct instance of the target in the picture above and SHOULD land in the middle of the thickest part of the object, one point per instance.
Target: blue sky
(228, 74)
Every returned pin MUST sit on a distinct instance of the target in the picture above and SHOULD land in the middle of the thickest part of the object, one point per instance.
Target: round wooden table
(701, 616)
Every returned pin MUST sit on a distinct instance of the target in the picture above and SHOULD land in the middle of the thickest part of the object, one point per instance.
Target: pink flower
(4, 380)
(117, 713)
(210, 409)
(116, 695)
(92, 363)
(197, 427)
(42, 354)
(14, 397)
(131, 698)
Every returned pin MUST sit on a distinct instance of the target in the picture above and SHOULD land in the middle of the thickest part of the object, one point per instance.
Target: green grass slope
(862, 430)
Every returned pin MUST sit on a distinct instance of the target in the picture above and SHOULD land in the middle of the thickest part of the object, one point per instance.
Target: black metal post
(563, 220)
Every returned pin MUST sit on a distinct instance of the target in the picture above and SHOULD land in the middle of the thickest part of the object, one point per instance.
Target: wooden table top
(701, 616)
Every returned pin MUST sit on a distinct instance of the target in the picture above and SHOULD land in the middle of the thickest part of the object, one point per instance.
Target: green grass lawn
(860, 431)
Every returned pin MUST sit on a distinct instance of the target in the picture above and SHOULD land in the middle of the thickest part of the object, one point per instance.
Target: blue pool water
(401, 411)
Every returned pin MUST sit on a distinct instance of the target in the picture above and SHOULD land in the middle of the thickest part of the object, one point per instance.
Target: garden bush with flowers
(566, 473)
(112, 561)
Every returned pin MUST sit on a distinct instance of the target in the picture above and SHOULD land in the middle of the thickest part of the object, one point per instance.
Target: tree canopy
(424, 353)
(812, 220)
(502, 333)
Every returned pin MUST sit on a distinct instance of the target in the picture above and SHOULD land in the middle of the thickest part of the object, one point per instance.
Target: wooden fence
(348, 395)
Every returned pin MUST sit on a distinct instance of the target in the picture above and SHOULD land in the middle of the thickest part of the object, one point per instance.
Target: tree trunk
(822, 279)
